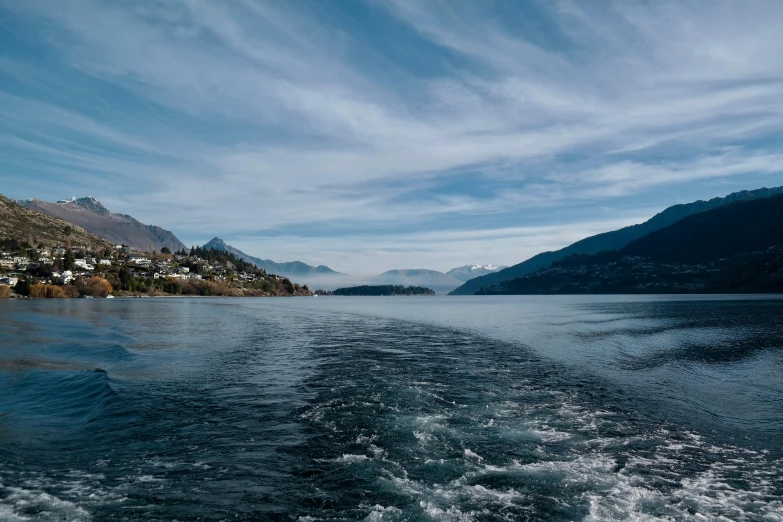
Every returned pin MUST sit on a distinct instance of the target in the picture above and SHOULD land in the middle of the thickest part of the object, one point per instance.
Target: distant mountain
(468, 272)
(291, 269)
(611, 240)
(91, 215)
(24, 224)
(737, 247)
(438, 281)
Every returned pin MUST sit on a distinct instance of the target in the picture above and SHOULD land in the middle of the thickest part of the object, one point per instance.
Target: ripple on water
(291, 414)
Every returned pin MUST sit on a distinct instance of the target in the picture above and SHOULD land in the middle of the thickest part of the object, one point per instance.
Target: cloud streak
(316, 122)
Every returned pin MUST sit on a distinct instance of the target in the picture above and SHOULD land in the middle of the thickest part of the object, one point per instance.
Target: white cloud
(260, 116)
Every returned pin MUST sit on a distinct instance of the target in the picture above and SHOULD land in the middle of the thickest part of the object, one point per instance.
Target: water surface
(445, 408)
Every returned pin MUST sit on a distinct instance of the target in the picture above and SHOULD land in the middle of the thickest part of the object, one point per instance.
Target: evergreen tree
(126, 278)
(22, 287)
(69, 261)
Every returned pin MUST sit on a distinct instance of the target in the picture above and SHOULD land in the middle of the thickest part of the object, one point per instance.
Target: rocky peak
(86, 203)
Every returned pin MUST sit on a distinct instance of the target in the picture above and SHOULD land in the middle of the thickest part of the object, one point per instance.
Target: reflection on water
(392, 409)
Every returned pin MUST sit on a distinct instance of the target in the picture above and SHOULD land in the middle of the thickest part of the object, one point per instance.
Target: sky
(372, 135)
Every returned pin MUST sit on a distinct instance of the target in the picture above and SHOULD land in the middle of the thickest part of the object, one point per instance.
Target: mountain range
(611, 240)
(323, 276)
(737, 247)
(24, 224)
(87, 221)
(92, 216)
(433, 279)
(468, 272)
(289, 269)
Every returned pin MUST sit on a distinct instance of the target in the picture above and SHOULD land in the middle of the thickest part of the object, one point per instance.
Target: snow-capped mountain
(91, 215)
(87, 203)
(467, 272)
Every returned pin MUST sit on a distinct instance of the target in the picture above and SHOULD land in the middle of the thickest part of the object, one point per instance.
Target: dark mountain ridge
(612, 240)
(737, 247)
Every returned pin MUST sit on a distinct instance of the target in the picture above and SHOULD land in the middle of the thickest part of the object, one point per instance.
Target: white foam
(423, 438)
(472, 455)
(46, 506)
(551, 435)
(349, 457)
(449, 514)
(378, 512)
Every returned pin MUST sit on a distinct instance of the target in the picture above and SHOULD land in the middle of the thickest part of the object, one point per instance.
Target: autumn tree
(94, 286)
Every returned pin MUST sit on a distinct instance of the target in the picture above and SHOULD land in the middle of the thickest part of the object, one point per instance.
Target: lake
(396, 408)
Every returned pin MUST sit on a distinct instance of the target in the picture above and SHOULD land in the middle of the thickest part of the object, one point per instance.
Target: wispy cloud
(324, 122)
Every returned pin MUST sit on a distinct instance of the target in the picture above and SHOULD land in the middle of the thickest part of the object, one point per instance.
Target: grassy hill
(92, 216)
(18, 222)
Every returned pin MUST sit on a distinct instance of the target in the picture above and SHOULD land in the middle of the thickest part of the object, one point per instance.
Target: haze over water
(442, 408)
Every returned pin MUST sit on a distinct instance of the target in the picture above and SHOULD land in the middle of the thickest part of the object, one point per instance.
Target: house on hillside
(8, 280)
(139, 260)
(83, 264)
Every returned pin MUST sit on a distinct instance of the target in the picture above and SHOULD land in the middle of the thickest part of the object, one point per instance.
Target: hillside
(91, 215)
(18, 222)
(290, 269)
(734, 248)
(438, 281)
(612, 240)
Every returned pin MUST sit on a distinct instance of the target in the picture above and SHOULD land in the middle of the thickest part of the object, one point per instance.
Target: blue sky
(370, 135)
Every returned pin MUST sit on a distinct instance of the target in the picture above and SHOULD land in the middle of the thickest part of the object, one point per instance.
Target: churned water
(445, 408)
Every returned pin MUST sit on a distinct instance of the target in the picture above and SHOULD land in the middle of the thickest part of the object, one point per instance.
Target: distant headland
(378, 290)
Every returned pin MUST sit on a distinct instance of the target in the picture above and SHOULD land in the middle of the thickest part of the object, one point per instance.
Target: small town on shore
(84, 271)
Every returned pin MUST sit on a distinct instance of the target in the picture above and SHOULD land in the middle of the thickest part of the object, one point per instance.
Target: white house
(82, 263)
(10, 281)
